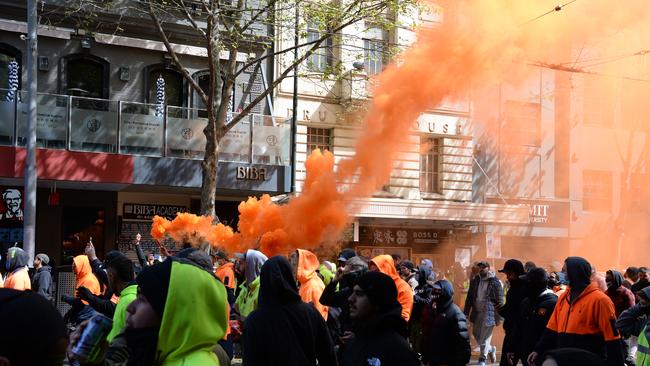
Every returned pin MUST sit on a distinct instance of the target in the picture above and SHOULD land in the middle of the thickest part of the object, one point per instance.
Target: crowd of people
(206, 308)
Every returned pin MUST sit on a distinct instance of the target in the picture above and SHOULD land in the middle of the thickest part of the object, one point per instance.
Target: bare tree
(230, 25)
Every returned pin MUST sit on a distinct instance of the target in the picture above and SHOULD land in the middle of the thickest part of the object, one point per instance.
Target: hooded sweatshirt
(247, 300)
(226, 274)
(445, 336)
(311, 286)
(583, 318)
(85, 276)
(620, 295)
(379, 339)
(42, 282)
(386, 266)
(283, 330)
(192, 306)
(18, 275)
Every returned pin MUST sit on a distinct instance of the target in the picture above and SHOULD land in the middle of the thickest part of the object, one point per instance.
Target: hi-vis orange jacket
(587, 323)
(226, 274)
(386, 266)
(311, 286)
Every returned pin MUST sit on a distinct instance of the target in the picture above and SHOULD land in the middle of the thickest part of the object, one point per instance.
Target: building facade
(119, 132)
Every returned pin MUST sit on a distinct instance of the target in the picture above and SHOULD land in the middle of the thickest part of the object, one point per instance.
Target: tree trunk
(209, 167)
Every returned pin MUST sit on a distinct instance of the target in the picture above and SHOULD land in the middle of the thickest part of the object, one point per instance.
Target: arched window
(85, 76)
(175, 94)
(203, 78)
(8, 54)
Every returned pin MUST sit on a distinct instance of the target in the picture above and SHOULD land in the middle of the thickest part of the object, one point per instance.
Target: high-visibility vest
(643, 350)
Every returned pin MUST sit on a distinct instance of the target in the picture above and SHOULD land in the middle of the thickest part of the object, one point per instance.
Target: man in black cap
(344, 255)
(379, 335)
(533, 316)
(509, 311)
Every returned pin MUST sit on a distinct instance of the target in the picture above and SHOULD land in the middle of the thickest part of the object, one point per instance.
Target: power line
(583, 71)
(556, 8)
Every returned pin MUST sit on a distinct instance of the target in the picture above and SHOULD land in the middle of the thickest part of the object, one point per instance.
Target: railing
(121, 127)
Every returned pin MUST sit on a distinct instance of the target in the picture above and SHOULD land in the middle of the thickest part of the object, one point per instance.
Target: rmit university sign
(542, 213)
(251, 173)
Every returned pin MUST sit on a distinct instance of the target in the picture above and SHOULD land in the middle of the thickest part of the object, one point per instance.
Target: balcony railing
(121, 127)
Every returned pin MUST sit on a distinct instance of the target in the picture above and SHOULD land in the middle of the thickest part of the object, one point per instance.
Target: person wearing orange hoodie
(84, 273)
(384, 263)
(305, 264)
(17, 272)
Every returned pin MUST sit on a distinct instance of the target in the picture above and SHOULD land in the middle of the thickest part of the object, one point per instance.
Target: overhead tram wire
(555, 9)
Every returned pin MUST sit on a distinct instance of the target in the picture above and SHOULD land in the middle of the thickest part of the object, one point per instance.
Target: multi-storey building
(427, 209)
(119, 130)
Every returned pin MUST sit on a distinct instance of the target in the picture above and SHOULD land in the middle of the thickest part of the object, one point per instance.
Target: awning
(453, 212)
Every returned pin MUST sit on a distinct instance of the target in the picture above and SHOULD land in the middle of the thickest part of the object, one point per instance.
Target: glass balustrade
(99, 125)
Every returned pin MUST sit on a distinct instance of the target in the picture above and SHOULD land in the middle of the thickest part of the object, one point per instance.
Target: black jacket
(339, 298)
(640, 286)
(510, 310)
(42, 282)
(422, 297)
(382, 338)
(283, 330)
(531, 323)
(445, 339)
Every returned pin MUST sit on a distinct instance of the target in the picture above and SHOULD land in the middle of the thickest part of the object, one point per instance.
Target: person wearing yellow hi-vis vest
(634, 321)
(247, 300)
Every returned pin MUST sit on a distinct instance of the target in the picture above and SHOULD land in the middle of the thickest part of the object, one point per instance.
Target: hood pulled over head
(277, 284)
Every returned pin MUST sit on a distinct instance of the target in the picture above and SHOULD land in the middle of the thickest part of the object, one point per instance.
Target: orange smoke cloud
(479, 44)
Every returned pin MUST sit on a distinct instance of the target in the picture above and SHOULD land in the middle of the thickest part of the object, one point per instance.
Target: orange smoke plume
(479, 44)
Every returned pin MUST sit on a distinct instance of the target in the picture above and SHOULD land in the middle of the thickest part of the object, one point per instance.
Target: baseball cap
(512, 265)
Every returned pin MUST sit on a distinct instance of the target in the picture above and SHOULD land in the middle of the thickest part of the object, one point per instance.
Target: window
(203, 78)
(8, 54)
(322, 58)
(596, 190)
(522, 125)
(375, 48)
(599, 101)
(173, 84)
(319, 138)
(635, 193)
(85, 76)
(430, 165)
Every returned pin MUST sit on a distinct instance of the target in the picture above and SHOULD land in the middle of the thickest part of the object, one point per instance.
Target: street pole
(294, 118)
(29, 199)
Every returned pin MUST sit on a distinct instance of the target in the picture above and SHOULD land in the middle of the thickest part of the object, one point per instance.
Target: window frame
(63, 72)
(372, 45)
(16, 54)
(323, 57)
(434, 153)
(513, 123)
(592, 202)
(311, 145)
(164, 67)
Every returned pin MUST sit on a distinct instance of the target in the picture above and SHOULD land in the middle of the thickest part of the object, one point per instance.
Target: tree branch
(174, 56)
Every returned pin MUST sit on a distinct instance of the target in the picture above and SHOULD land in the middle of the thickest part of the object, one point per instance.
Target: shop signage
(51, 120)
(141, 130)
(251, 173)
(542, 213)
(440, 124)
(144, 211)
(93, 126)
(11, 214)
(384, 236)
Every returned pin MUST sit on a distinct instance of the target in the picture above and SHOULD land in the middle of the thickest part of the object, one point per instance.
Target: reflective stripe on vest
(643, 350)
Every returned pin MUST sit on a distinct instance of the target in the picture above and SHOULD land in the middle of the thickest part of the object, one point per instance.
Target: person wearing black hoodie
(422, 299)
(510, 310)
(283, 330)
(379, 333)
(446, 339)
(620, 295)
(336, 294)
(533, 315)
(42, 281)
(583, 318)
